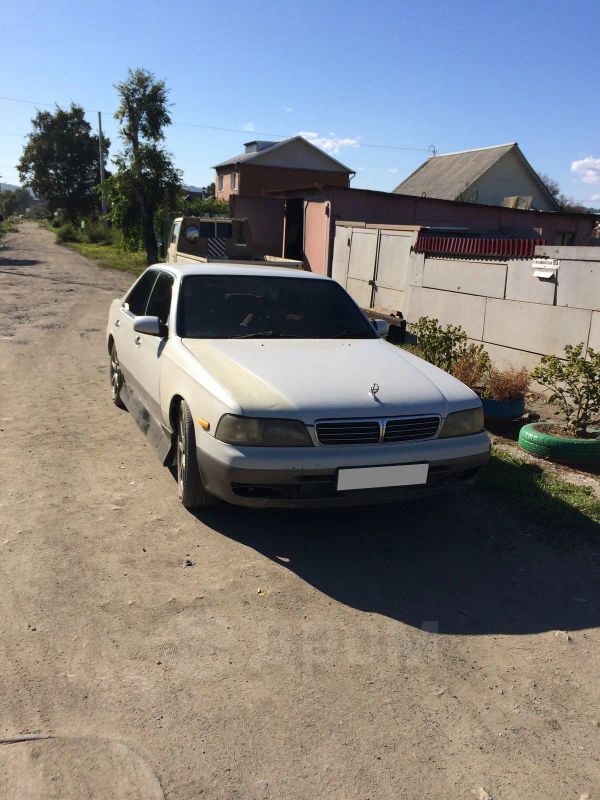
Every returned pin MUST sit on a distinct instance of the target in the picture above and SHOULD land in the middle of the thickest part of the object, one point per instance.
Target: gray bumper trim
(288, 488)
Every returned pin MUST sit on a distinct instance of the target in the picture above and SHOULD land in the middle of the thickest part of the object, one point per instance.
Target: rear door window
(137, 299)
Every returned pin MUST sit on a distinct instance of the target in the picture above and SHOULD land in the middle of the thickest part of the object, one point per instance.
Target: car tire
(116, 378)
(559, 448)
(189, 481)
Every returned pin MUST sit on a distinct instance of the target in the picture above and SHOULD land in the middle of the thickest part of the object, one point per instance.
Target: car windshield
(262, 307)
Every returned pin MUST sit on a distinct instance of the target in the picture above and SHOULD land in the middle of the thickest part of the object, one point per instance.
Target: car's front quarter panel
(182, 375)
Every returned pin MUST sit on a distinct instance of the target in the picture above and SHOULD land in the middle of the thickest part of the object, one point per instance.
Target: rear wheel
(189, 481)
(116, 378)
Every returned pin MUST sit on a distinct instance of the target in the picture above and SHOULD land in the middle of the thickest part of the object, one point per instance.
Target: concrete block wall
(516, 315)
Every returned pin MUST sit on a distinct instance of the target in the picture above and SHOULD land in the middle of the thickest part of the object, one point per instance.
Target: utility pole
(101, 149)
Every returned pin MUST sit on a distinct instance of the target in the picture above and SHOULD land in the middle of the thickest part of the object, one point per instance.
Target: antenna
(433, 150)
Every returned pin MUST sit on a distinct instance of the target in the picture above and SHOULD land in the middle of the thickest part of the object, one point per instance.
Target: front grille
(411, 429)
(349, 432)
(368, 431)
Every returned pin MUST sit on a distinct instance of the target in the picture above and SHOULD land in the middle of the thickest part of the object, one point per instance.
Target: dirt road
(407, 652)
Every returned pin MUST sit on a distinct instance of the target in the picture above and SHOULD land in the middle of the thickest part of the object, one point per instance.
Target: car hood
(312, 379)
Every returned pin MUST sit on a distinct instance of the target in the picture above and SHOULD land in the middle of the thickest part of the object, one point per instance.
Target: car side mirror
(152, 326)
(381, 326)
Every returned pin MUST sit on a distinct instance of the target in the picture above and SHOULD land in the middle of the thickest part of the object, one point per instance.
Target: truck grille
(366, 431)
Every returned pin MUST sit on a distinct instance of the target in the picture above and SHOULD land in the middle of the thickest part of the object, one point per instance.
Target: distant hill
(7, 187)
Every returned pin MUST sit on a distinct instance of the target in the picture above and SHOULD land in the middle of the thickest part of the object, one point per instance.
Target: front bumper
(313, 485)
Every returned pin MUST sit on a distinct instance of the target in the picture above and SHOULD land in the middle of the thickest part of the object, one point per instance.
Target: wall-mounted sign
(545, 267)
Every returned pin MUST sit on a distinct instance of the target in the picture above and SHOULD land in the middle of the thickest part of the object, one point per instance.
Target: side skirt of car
(160, 439)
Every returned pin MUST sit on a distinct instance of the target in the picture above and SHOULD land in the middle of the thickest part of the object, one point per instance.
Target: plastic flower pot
(503, 409)
(563, 449)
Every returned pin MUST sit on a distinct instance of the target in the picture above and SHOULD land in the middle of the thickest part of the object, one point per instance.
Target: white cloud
(288, 109)
(393, 170)
(248, 126)
(595, 197)
(331, 143)
(588, 169)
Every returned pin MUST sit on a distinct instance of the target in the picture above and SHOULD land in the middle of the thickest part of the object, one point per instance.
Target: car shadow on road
(18, 262)
(468, 563)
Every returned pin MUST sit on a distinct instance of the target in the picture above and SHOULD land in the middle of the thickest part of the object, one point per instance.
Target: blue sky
(457, 75)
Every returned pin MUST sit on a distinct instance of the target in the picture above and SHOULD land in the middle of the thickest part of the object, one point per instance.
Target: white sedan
(269, 386)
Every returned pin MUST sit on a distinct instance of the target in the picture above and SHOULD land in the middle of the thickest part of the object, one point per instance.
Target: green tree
(61, 162)
(14, 202)
(565, 203)
(145, 179)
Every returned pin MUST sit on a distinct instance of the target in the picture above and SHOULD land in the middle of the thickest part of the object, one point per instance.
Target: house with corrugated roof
(278, 166)
(493, 176)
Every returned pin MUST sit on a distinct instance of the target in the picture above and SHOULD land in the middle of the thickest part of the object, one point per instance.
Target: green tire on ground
(559, 448)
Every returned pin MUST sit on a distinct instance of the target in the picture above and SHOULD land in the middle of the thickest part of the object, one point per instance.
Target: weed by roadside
(97, 243)
(111, 256)
(542, 499)
(7, 226)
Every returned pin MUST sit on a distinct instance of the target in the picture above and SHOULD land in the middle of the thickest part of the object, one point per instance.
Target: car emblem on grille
(374, 389)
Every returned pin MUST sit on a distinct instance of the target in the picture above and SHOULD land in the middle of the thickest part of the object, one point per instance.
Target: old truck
(218, 239)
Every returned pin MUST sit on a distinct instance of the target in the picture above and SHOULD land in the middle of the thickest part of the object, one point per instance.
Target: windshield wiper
(258, 335)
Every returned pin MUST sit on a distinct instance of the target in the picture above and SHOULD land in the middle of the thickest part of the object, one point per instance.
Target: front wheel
(116, 378)
(189, 481)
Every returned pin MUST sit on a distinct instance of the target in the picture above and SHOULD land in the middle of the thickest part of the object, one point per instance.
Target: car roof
(182, 269)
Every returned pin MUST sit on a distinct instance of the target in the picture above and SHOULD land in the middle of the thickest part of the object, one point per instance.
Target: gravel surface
(430, 650)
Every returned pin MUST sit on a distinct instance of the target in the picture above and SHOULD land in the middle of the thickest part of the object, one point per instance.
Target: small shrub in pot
(574, 384)
(510, 384)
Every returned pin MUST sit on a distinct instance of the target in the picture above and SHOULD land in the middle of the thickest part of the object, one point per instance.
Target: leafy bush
(96, 233)
(473, 367)
(449, 349)
(574, 384)
(510, 384)
(67, 233)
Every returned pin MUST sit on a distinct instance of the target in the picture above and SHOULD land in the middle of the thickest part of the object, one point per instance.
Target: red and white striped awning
(471, 246)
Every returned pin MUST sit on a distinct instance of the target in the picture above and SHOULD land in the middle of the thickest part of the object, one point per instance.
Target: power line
(203, 126)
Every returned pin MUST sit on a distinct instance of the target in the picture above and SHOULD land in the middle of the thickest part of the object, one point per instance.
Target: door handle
(138, 340)
(117, 323)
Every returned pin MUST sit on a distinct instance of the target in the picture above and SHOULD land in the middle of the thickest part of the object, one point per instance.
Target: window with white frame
(220, 183)
(234, 181)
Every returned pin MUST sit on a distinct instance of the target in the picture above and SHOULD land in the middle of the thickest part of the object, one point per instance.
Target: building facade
(278, 166)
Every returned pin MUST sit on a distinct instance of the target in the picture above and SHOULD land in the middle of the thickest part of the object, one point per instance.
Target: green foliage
(60, 161)
(14, 202)
(211, 206)
(145, 179)
(7, 226)
(445, 347)
(111, 256)
(565, 203)
(574, 383)
(539, 496)
(96, 233)
(67, 233)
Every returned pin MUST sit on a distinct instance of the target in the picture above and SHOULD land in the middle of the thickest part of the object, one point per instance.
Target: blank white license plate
(380, 477)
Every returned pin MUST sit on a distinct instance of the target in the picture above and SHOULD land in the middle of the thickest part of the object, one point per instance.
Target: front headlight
(463, 423)
(262, 432)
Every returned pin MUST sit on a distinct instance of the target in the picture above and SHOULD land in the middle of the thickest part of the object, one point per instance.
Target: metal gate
(373, 264)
